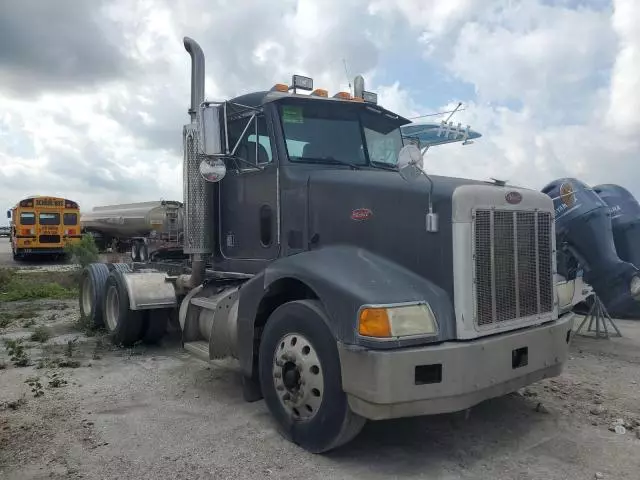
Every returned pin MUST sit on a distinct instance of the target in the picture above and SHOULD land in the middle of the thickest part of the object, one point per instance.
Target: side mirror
(210, 131)
(213, 170)
(8, 213)
(410, 162)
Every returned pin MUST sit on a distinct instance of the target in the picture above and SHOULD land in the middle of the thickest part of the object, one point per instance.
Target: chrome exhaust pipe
(197, 75)
(196, 192)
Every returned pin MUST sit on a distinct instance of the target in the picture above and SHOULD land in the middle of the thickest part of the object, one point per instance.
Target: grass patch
(16, 286)
(41, 334)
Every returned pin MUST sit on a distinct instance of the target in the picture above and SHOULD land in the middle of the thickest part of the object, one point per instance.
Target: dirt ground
(156, 413)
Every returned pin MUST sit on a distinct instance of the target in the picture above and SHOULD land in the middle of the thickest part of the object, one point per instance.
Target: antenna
(453, 112)
(346, 71)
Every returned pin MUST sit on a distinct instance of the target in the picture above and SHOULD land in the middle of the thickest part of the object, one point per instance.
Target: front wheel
(300, 378)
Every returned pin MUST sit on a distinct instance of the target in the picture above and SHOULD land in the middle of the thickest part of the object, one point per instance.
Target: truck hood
(385, 214)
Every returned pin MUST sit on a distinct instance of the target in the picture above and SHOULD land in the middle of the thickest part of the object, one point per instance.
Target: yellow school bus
(42, 225)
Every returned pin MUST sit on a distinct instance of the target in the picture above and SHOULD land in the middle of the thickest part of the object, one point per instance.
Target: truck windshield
(324, 132)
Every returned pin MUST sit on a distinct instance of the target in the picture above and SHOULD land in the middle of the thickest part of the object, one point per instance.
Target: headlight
(402, 321)
(635, 287)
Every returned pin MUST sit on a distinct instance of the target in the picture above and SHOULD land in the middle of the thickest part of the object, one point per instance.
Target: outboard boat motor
(584, 237)
(624, 211)
(625, 220)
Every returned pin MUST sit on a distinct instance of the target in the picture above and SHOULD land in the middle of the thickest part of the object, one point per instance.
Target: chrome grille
(513, 265)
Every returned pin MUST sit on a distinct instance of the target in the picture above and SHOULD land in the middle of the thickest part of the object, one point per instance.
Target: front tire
(300, 377)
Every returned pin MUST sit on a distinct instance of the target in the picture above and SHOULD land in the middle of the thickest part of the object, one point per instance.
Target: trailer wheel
(125, 326)
(300, 378)
(93, 279)
(155, 325)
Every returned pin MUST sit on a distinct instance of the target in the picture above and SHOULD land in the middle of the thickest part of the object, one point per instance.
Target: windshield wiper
(383, 166)
(332, 160)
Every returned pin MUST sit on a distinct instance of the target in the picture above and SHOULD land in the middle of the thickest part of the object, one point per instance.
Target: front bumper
(451, 376)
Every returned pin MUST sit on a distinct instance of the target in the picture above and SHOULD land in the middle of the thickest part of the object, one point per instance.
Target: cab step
(199, 349)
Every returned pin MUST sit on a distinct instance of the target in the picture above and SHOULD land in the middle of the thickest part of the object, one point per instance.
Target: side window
(70, 218)
(247, 147)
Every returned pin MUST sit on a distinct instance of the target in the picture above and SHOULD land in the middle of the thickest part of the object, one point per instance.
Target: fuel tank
(135, 219)
(584, 240)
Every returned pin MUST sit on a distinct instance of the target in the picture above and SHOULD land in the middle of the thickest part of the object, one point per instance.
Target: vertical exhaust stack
(196, 192)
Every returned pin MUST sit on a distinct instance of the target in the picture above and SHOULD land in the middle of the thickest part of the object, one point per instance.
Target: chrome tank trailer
(135, 219)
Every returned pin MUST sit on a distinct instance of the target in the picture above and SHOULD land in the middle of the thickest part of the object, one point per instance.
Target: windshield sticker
(292, 114)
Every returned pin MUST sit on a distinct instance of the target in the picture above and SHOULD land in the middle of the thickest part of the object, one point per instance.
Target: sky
(93, 95)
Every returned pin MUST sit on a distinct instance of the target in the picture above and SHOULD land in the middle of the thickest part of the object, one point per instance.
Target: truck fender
(343, 278)
(149, 290)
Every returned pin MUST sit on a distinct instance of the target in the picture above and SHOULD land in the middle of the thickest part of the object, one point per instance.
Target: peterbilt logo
(361, 214)
(513, 198)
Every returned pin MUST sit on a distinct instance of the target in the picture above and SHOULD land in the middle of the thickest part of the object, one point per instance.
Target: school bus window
(49, 218)
(70, 219)
(27, 218)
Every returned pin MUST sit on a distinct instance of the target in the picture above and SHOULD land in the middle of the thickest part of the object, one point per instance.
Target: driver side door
(248, 199)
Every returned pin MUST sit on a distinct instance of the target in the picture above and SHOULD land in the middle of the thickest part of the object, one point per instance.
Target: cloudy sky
(93, 94)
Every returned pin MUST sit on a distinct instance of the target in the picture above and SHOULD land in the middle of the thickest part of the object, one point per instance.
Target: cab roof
(261, 98)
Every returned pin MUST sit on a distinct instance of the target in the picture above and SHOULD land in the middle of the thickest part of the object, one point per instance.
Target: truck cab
(348, 282)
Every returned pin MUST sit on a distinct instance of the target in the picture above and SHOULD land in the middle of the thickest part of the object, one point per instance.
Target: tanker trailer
(624, 210)
(143, 227)
(584, 240)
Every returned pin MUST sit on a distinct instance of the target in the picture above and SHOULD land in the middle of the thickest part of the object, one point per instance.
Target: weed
(16, 404)
(84, 252)
(71, 345)
(56, 381)
(9, 317)
(29, 323)
(41, 334)
(36, 386)
(17, 352)
(85, 326)
(67, 363)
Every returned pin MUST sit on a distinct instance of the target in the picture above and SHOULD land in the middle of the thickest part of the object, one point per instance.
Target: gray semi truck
(348, 282)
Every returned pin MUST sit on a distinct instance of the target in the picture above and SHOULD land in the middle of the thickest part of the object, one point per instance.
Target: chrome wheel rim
(112, 308)
(298, 376)
(87, 295)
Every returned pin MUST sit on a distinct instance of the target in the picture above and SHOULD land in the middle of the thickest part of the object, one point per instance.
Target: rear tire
(121, 267)
(125, 326)
(301, 381)
(92, 283)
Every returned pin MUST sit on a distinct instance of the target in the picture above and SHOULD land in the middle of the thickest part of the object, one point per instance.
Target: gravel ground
(156, 413)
